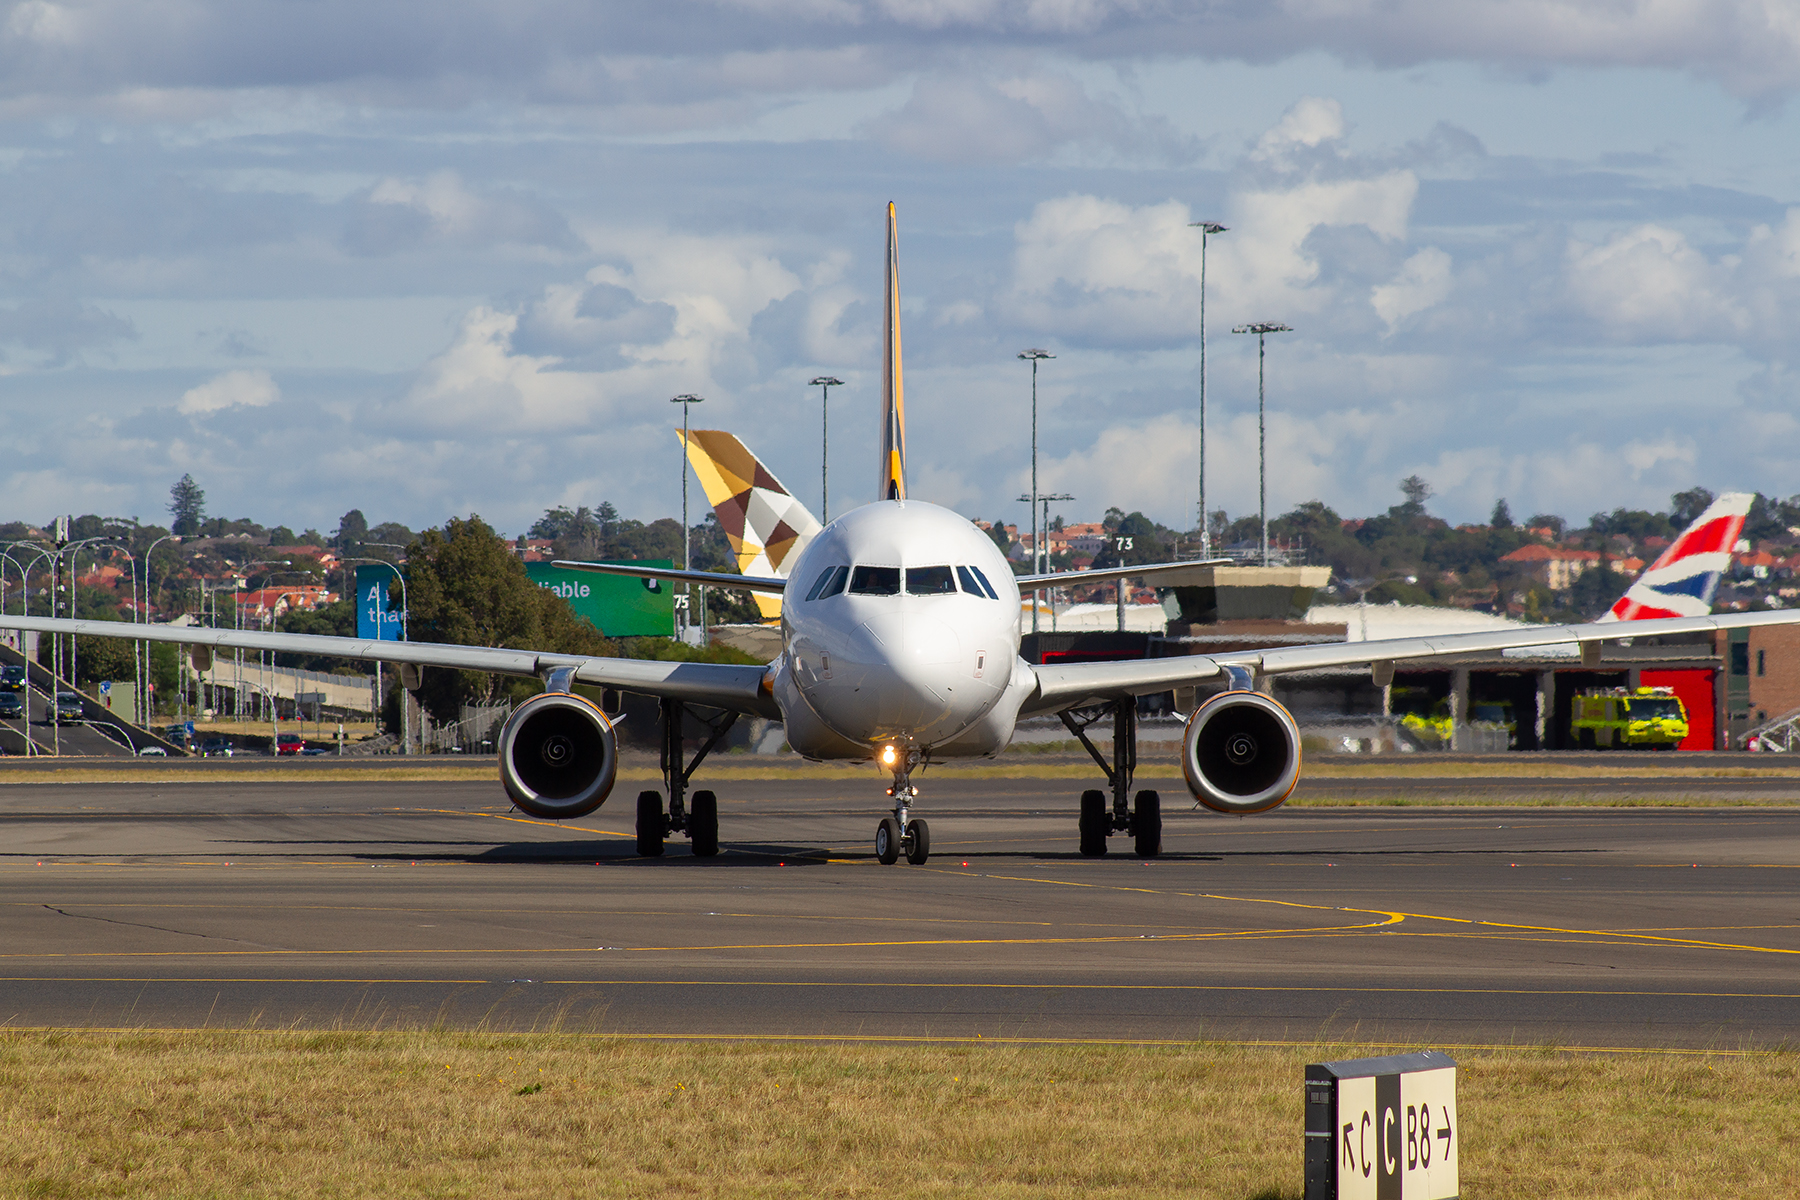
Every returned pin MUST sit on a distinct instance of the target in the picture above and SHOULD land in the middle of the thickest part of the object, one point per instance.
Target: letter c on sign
(1362, 1142)
(1389, 1165)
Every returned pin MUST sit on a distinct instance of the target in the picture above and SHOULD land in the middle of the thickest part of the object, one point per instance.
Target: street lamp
(1037, 547)
(687, 541)
(1206, 229)
(1034, 357)
(826, 383)
(1262, 329)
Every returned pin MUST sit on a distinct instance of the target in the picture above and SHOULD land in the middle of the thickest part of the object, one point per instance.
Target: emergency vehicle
(1646, 718)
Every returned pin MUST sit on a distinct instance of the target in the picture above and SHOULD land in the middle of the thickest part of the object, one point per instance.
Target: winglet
(893, 388)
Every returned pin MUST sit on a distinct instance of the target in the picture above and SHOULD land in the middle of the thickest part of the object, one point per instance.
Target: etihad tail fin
(766, 526)
(893, 389)
(1681, 583)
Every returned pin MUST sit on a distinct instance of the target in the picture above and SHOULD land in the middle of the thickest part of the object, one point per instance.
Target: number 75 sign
(1382, 1128)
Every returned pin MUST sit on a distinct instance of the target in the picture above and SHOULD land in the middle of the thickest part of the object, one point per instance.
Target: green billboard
(616, 605)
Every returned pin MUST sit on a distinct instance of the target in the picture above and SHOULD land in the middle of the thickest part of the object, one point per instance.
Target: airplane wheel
(918, 842)
(1586, 740)
(1146, 824)
(1094, 823)
(703, 824)
(887, 841)
(650, 825)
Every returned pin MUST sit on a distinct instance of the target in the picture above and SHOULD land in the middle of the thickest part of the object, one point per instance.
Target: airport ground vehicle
(216, 748)
(12, 678)
(68, 707)
(289, 743)
(152, 752)
(12, 705)
(1628, 719)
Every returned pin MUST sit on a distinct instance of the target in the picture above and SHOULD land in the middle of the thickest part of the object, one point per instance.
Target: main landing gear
(902, 833)
(698, 818)
(1142, 816)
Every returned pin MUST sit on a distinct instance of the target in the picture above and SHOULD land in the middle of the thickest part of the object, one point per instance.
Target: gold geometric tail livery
(893, 385)
(766, 526)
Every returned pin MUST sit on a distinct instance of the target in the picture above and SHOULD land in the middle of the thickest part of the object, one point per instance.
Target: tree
(1416, 491)
(187, 505)
(1502, 518)
(465, 586)
(352, 531)
(1684, 507)
(1550, 521)
(1134, 540)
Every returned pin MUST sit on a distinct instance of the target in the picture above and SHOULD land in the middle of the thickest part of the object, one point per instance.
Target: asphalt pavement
(374, 902)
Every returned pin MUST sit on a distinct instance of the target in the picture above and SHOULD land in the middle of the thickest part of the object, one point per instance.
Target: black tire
(651, 825)
(887, 841)
(703, 824)
(1586, 739)
(1146, 824)
(918, 842)
(1095, 823)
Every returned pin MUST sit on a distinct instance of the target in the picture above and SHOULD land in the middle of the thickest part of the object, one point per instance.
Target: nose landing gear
(902, 833)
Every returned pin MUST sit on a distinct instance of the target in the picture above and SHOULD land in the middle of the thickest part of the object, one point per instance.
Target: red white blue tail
(1681, 583)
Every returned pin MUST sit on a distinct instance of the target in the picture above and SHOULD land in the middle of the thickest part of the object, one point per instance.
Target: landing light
(889, 756)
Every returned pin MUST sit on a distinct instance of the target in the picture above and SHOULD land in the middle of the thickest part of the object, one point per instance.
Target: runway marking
(918, 986)
(494, 816)
(942, 1040)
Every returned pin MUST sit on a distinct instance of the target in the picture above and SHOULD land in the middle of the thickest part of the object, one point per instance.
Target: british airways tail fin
(1681, 583)
(766, 526)
(893, 389)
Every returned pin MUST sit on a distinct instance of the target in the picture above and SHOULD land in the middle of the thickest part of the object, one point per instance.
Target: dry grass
(479, 1114)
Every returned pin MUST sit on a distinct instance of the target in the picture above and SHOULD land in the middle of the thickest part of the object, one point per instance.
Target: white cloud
(233, 389)
(1424, 281)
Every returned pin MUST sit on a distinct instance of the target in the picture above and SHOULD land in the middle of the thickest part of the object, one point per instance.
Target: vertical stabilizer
(1682, 581)
(893, 387)
(766, 526)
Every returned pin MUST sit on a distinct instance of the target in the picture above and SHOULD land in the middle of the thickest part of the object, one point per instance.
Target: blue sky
(433, 260)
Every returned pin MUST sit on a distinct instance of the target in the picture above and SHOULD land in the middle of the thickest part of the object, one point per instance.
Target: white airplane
(900, 646)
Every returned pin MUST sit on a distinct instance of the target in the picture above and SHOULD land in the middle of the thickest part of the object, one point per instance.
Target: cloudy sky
(427, 260)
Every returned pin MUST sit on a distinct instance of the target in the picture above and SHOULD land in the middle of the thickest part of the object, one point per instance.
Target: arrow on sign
(1445, 1131)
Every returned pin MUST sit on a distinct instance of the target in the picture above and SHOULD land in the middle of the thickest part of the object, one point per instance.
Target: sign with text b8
(1382, 1128)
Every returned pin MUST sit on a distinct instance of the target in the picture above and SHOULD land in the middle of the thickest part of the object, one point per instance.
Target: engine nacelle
(558, 756)
(1241, 753)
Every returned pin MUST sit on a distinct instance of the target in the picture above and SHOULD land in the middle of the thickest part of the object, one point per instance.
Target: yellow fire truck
(1644, 718)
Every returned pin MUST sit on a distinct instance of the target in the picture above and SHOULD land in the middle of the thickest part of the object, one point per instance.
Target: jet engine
(558, 756)
(1241, 753)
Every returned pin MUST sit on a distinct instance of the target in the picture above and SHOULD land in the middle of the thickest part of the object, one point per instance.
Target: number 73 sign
(1382, 1128)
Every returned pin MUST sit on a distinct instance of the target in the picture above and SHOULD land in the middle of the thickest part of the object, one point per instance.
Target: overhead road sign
(1382, 1128)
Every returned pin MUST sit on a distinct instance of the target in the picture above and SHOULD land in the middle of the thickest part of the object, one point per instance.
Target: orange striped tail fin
(893, 387)
(766, 526)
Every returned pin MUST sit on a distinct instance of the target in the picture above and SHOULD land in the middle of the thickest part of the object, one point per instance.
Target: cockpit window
(829, 583)
(930, 581)
(979, 578)
(875, 581)
(970, 585)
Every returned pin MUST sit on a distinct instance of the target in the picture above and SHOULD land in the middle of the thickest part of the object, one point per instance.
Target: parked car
(12, 705)
(289, 743)
(152, 752)
(68, 707)
(217, 748)
(177, 734)
(12, 678)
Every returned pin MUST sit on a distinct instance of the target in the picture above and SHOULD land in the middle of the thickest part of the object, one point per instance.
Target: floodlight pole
(1262, 329)
(825, 383)
(1206, 228)
(1034, 357)
(687, 541)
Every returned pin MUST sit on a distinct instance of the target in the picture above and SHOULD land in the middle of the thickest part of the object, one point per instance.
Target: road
(165, 902)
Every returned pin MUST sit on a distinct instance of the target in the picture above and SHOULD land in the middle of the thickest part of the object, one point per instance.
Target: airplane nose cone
(921, 656)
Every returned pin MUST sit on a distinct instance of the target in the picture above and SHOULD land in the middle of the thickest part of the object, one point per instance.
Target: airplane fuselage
(901, 626)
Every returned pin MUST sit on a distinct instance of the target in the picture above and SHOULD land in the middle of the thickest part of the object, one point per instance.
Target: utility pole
(1206, 228)
(825, 383)
(1262, 329)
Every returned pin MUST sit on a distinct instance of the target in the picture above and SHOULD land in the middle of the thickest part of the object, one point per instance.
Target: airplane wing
(749, 583)
(1078, 684)
(1077, 578)
(717, 685)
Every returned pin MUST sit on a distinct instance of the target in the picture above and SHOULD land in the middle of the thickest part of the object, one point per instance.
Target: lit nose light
(889, 756)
